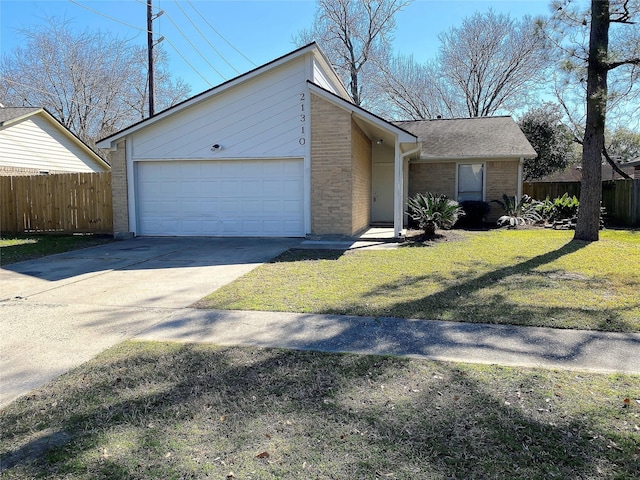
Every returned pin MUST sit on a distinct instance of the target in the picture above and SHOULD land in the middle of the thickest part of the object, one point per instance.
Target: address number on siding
(303, 118)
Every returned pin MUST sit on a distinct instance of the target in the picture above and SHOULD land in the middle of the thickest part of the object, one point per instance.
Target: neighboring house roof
(573, 173)
(465, 138)
(313, 48)
(13, 115)
(9, 115)
(635, 162)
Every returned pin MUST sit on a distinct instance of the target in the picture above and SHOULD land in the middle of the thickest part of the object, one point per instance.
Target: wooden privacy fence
(621, 198)
(58, 203)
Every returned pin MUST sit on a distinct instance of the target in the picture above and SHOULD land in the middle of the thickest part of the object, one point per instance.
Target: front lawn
(18, 248)
(523, 277)
(173, 411)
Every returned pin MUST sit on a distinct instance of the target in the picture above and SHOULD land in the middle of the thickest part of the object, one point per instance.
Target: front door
(382, 198)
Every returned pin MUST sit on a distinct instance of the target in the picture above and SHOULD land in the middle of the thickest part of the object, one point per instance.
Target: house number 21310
(303, 119)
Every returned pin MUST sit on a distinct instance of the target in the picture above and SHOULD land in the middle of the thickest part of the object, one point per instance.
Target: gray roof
(10, 113)
(482, 137)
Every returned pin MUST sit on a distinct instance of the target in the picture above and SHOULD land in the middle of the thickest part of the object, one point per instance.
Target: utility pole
(150, 52)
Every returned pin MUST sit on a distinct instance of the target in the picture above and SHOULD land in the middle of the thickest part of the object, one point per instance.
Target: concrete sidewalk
(450, 341)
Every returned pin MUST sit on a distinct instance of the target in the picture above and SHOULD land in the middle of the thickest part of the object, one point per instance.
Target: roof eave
(511, 156)
(403, 135)
(19, 118)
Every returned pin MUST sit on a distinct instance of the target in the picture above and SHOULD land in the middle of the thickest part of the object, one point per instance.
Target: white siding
(321, 79)
(36, 143)
(261, 118)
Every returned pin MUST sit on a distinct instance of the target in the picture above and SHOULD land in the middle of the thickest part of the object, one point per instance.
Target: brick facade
(502, 177)
(16, 171)
(331, 170)
(439, 178)
(119, 191)
(361, 179)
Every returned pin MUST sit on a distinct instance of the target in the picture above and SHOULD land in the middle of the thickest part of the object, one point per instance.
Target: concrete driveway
(60, 311)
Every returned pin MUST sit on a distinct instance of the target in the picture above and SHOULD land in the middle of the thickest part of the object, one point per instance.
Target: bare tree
(353, 33)
(168, 90)
(493, 61)
(93, 83)
(417, 91)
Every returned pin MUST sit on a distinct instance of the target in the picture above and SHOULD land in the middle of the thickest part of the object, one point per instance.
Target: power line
(107, 16)
(194, 47)
(220, 35)
(189, 63)
(146, 31)
(205, 38)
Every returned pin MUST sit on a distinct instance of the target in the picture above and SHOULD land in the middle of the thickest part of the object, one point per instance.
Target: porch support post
(398, 189)
(519, 186)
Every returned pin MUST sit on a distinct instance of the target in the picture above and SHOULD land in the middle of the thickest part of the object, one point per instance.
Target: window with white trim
(470, 181)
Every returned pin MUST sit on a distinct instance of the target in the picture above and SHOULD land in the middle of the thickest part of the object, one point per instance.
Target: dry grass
(153, 410)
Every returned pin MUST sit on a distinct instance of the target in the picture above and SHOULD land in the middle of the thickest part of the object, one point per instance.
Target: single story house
(469, 159)
(32, 141)
(283, 151)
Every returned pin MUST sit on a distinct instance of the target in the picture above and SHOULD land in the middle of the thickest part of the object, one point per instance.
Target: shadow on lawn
(185, 411)
(456, 302)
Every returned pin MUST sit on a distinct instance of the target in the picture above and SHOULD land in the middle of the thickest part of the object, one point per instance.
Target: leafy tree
(493, 60)
(613, 48)
(353, 34)
(624, 144)
(569, 30)
(93, 83)
(550, 138)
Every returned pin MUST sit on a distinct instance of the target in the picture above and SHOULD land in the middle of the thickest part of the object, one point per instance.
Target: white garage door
(222, 198)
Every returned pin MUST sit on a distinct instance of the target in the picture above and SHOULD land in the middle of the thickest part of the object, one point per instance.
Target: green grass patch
(153, 410)
(18, 248)
(530, 277)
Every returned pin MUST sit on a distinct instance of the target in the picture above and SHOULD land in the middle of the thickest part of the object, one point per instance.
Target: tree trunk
(588, 225)
(354, 86)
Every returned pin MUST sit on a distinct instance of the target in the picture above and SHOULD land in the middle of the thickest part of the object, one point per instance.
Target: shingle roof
(10, 113)
(480, 137)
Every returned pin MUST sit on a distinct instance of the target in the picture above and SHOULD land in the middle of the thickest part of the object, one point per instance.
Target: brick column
(331, 169)
(119, 192)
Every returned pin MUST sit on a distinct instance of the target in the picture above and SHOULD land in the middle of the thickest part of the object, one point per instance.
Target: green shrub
(560, 208)
(518, 212)
(432, 211)
(474, 212)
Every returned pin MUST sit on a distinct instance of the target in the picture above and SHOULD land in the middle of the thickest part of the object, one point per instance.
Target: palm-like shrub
(518, 212)
(561, 208)
(432, 211)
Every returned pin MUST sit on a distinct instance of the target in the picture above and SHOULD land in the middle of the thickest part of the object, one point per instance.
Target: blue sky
(260, 30)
